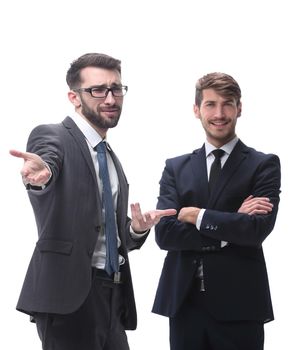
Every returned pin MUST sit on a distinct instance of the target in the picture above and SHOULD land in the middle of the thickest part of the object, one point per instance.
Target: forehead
(99, 76)
(213, 95)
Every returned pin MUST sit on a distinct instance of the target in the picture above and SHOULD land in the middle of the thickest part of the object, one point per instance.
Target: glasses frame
(108, 89)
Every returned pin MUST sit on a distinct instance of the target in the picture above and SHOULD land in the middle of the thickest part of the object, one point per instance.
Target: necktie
(215, 168)
(112, 255)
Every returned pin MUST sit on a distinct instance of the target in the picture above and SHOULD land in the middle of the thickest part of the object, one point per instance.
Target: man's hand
(256, 205)
(188, 215)
(143, 222)
(34, 171)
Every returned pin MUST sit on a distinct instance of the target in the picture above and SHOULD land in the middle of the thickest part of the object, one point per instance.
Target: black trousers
(96, 325)
(193, 328)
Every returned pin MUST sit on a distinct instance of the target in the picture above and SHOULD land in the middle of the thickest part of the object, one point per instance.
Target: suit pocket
(54, 246)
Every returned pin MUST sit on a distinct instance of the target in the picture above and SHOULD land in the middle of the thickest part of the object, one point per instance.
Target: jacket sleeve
(171, 234)
(45, 141)
(244, 229)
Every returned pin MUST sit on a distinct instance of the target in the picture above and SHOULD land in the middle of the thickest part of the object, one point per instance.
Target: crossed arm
(251, 205)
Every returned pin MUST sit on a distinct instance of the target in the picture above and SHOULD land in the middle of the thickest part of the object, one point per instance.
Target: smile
(219, 123)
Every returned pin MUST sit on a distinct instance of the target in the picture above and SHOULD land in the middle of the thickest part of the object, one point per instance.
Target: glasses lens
(119, 91)
(99, 92)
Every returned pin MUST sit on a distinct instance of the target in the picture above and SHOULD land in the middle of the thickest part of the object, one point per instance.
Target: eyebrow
(105, 85)
(224, 101)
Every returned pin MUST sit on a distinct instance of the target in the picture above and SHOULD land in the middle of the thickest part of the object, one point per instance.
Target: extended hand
(143, 222)
(256, 205)
(34, 171)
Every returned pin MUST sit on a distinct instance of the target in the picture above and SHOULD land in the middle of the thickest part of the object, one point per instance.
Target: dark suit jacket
(67, 214)
(235, 276)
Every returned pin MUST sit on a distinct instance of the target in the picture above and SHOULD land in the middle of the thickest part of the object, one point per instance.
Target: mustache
(112, 108)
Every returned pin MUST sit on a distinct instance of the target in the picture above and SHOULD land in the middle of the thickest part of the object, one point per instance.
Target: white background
(164, 47)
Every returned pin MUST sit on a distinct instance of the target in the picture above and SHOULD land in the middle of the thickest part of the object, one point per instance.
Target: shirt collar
(227, 147)
(89, 132)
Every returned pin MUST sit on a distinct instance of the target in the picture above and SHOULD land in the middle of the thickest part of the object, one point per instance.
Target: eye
(229, 104)
(117, 89)
(99, 89)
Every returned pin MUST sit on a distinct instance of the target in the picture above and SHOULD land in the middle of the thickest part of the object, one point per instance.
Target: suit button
(97, 228)
(194, 262)
(207, 227)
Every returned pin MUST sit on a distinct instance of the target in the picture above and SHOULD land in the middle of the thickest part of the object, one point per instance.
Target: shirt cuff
(137, 235)
(199, 218)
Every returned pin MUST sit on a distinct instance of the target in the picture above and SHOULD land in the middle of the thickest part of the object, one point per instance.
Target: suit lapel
(121, 210)
(123, 185)
(238, 154)
(198, 163)
(81, 142)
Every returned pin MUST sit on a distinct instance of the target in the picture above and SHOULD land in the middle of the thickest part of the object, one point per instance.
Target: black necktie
(112, 255)
(215, 168)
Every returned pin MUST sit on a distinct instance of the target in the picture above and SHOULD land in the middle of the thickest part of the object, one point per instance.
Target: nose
(219, 112)
(109, 99)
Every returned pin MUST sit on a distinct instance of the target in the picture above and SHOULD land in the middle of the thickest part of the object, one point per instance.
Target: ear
(239, 110)
(74, 98)
(196, 111)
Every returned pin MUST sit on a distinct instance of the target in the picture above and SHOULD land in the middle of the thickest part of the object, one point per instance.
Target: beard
(96, 118)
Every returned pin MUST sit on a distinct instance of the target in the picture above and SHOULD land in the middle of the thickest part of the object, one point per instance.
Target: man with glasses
(78, 286)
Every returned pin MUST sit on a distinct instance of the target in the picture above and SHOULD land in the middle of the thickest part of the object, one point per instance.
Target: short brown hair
(99, 60)
(222, 83)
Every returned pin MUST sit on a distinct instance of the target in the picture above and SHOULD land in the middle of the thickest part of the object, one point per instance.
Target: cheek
(205, 119)
(77, 103)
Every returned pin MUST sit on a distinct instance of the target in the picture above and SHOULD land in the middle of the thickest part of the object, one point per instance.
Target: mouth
(110, 112)
(219, 123)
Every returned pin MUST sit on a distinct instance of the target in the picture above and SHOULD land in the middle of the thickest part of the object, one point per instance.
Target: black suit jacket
(235, 276)
(67, 214)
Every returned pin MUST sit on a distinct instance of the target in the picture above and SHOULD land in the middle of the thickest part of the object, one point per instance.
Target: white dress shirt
(92, 139)
(228, 148)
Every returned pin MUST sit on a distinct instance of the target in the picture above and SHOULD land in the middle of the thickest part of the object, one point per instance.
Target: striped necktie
(112, 255)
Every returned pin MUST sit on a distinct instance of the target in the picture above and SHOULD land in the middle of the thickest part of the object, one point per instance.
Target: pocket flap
(54, 246)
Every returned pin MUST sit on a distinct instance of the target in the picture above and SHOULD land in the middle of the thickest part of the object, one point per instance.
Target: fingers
(248, 198)
(34, 171)
(165, 212)
(143, 222)
(261, 208)
(39, 178)
(140, 223)
(261, 203)
(19, 154)
(259, 212)
(256, 205)
(135, 210)
(24, 155)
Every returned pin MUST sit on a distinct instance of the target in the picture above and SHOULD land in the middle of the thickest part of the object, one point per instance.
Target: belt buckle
(117, 277)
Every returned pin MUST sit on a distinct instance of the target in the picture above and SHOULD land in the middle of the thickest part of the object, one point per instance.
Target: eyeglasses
(101, 91)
